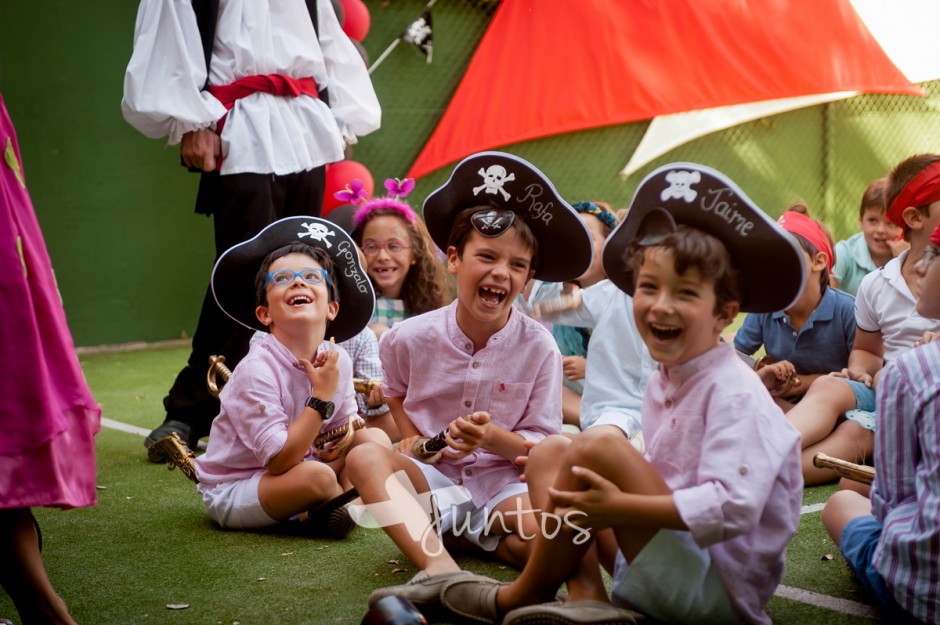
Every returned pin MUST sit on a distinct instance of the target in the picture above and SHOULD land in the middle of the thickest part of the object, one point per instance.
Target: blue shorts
(859, 539)
(864, 396)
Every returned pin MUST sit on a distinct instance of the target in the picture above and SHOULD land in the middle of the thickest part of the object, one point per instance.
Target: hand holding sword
(464, 434)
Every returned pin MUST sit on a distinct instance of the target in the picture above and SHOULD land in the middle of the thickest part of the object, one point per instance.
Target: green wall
(130, 256)
(133, 260)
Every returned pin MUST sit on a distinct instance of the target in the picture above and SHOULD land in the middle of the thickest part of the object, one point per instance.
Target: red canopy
(550, 67)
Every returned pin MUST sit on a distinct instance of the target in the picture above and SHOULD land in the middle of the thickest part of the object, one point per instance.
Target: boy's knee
(549, 447)
(361, 459)
(321, 479)
(830, 386)
(834, 391)
(548, 453)
(360, 454)
(594, 443)
(842, 506)
(856, 433)
(374, 435)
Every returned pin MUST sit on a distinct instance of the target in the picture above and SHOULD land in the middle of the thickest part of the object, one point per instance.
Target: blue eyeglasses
(285, 277)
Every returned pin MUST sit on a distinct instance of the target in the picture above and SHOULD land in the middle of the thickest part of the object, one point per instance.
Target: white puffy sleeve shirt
(264, 133)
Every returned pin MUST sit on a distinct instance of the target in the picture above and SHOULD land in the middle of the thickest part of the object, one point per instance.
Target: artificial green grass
(149, 544)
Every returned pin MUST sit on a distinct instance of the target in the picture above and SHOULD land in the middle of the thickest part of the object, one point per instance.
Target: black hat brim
(770, 263)
(233, 277)
(565, 247)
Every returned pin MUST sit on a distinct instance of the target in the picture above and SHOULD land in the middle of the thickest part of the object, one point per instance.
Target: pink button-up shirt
(267, 392)
(733, 462)
(429, 362)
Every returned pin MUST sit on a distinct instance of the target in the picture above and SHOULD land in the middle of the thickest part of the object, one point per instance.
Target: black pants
(241, 205)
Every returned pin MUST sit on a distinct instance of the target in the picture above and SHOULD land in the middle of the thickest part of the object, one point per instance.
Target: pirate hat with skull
(505, 181)
(769, 261)
(233, 277)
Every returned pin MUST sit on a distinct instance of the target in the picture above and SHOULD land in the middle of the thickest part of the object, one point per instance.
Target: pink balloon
(340, 174)
(357, 20)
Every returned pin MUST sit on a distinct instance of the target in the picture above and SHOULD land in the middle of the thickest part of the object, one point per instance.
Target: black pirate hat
(233, 277)
(768, 260)
(505, 181)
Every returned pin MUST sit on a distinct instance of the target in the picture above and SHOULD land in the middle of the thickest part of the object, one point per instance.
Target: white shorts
(235, 505)
(673, 580)
(460, 516)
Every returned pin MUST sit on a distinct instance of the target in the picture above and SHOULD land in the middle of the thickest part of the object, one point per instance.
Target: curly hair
(427, 286)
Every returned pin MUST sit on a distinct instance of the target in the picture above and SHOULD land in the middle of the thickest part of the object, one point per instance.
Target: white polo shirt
(885, 304)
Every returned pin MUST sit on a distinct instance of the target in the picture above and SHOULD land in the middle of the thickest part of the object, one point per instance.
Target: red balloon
(357, 20)
(340, 174)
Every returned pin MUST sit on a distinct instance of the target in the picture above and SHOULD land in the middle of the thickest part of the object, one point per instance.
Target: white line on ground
(835, 604)
(816, 507)
(133, 429)
(124, 427)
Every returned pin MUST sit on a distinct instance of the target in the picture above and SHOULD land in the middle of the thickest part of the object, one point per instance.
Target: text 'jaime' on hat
(233, 277)
(505, 181)
(769, 262)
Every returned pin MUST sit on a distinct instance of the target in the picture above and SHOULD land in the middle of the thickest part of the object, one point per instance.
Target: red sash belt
(275, 84)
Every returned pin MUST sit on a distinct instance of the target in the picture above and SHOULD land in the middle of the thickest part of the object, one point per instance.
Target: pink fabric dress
(48, 417)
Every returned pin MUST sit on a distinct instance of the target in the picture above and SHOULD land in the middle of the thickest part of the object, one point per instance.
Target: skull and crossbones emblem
(494, 177)
(680, 185)
(418, 32)
(316, 232)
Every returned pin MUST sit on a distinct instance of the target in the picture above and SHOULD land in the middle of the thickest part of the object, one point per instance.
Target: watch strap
(325, 408)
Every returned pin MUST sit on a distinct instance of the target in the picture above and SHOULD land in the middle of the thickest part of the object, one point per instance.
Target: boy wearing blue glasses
(478, 371)
(261, 468)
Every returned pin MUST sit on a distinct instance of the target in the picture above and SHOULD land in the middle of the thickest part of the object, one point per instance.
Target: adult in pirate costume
(241, 86)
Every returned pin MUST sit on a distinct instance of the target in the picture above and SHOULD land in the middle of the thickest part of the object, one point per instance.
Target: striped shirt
(906, 494)
(364, 351)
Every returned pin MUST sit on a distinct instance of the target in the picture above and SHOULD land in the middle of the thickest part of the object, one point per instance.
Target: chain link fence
(824, 155)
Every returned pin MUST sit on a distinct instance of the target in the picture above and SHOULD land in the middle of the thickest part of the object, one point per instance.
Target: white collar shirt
(430, 363)
(733, 463)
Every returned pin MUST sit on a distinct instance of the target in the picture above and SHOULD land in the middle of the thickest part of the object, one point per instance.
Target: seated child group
(557, 386)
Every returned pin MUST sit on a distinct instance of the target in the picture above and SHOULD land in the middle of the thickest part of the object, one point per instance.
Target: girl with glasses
(403, 263)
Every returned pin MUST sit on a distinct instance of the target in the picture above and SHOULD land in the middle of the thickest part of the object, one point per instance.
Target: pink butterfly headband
(397, 190)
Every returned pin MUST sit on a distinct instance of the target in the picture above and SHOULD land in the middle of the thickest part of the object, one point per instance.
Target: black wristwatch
(325, 408)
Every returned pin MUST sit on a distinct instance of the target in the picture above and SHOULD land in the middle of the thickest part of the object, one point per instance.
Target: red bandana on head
(798, 223)
(923, 189)
(935, 237)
